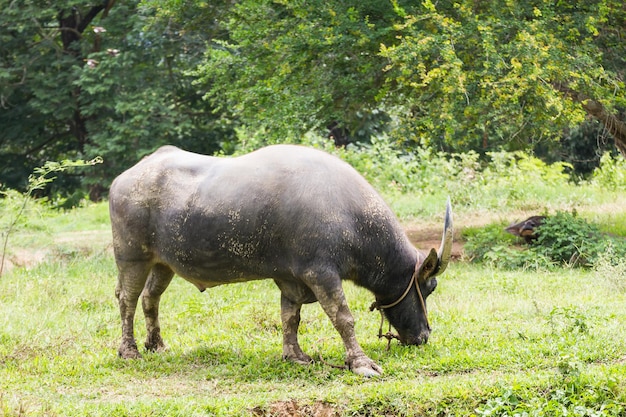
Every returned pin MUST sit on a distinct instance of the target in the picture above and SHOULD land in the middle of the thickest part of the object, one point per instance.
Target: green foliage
(612, 268)
(572, 397)
(458, 75)
(581, 146)
(140, 97)
(569, 239)
(490, 74)
(97, 83)
(611, 174)
(293, 67)
(119, 79)
(563, 239)
(491, 245)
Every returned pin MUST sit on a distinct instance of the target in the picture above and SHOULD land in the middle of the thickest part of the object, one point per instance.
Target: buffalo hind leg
(158, 281)
(290, 317)
(329, 292)
(131, 280)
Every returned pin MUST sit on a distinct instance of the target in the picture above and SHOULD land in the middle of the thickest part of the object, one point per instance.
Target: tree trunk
(615, 126)
(72, 25)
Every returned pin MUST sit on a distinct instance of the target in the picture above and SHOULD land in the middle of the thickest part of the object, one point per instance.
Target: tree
(40, 52)
(494, 72)
(85, 77)
(458, 75)
(80, 78)
(295, 66)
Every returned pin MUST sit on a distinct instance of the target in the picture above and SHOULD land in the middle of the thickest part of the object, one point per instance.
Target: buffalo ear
(429, 266)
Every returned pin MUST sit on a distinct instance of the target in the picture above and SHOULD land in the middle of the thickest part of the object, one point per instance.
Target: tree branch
(613, 124)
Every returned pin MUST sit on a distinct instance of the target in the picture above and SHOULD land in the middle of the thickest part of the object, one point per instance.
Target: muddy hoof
(154, 342)
(366, 367)
(129, 351)
(302, 359)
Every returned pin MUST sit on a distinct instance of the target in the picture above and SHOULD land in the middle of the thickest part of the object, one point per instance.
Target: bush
(563, 239)
(568, 239)
(611, 173)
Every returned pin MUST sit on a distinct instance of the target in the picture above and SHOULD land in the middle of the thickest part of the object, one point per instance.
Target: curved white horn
(445, 249)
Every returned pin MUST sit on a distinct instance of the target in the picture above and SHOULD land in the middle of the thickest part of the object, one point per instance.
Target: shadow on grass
(227, 362)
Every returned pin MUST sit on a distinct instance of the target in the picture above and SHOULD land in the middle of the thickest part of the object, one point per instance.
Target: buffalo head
(408, 313)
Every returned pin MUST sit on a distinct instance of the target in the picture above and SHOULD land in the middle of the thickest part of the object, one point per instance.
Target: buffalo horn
(445, 249)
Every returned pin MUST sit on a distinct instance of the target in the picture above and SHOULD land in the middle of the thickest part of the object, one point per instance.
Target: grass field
(503, 342)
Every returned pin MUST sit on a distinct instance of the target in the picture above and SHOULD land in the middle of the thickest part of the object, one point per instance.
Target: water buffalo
(296, 215)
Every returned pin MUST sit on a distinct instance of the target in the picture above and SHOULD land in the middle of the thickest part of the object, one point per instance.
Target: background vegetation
(84, 78)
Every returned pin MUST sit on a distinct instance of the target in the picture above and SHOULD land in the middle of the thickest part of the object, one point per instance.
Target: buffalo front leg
(131, 280)
(290, 317)
(158, 281)
(329, 292)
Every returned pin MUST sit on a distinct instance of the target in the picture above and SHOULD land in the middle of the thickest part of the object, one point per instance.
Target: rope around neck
(376, 306)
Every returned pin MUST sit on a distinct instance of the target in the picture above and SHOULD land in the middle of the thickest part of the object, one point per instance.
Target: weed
(612, 268)
(611, 174)
(571, 396)
(568, 320)
(36, 181)
(568, 239)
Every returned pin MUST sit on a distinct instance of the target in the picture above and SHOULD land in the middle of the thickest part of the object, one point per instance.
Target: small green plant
(568, 239)
(492, 245)
(571, 240)
(571, 396)
(36, 181)
(567, 320)
(612, 267)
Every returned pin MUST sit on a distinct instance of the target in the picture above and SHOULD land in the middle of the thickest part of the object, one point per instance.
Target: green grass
(502, 342)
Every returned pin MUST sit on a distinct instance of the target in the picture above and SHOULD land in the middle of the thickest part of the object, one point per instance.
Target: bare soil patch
(83, 242)
(293, 409)
(429, 237)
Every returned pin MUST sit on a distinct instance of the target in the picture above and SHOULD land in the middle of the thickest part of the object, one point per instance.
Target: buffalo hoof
(364, 366)
(154, 342)
(302, 359)
(129, 351)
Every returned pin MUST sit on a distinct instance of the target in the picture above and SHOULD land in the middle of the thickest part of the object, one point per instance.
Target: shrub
(563, 239)
(611, 173)
(569, 239)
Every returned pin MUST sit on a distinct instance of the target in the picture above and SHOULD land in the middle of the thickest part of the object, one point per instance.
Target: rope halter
(380, 307)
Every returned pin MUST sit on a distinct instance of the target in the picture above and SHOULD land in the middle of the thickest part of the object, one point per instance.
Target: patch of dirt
(293, 409)
(20, 257)
(430, 237)
(65, 244)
